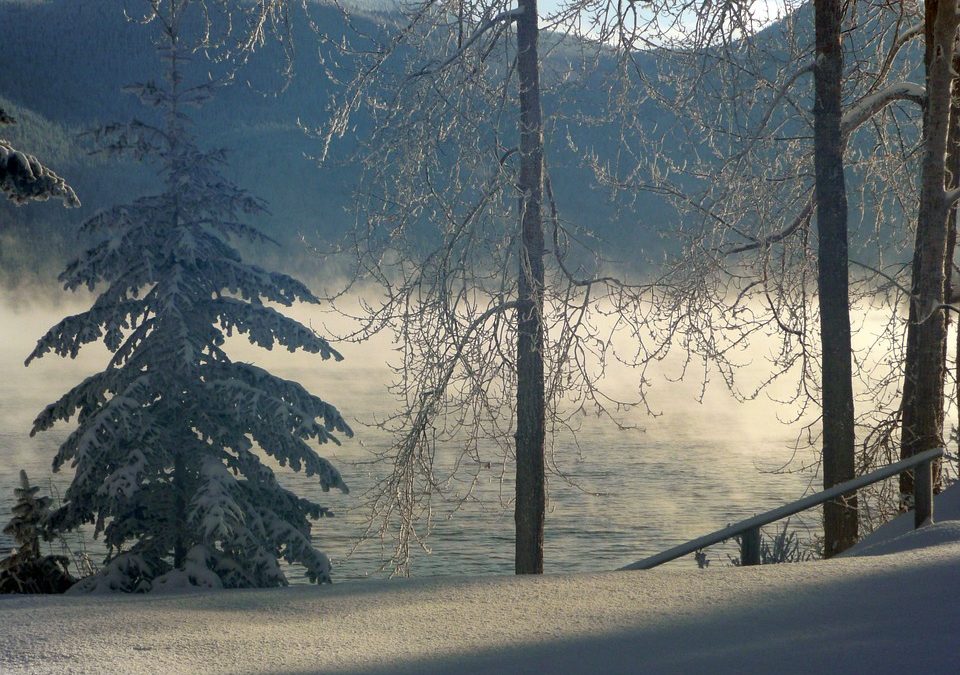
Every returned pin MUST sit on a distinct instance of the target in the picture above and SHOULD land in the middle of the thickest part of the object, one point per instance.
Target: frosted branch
(869, 106)
(503, 17)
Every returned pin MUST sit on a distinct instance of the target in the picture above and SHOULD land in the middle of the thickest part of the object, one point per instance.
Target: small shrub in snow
(25, 570)
(784, 547)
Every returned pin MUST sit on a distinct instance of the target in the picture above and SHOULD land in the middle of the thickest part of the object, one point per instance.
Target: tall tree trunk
(531, 491)
(179, 510)
(950, 293)
(840, 520)
(922, 422)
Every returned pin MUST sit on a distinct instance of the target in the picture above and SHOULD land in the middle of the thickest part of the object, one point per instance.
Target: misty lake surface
(692, 469)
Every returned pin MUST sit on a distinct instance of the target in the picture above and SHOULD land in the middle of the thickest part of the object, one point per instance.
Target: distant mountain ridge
(63, 70)
(64, 74)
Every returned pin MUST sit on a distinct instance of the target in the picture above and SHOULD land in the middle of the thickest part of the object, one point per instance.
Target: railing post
(750, 547)
(922, 494)
(749, 529)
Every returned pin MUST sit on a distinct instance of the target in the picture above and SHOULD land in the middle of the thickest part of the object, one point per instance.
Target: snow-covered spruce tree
(25, 570)
(23, 178)
(165, 445)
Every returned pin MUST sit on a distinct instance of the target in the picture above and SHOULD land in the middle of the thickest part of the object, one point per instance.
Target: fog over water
(694, 468)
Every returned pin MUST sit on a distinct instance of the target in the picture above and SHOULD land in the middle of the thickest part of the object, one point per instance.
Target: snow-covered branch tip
(932, 309)
(870, 105)
(857, 115)
(24, 179)
(952, 196)
(506, 17)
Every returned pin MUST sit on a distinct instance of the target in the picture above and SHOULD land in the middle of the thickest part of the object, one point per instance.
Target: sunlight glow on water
(695, 468)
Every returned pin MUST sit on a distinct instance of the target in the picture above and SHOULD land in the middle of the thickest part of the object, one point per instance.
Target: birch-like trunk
(840, 521)
(953, 181)
(922, 421)
(531, 489)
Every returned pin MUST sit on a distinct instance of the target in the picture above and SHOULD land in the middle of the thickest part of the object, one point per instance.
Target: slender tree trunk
(953, 181)
(922, 422)
(531, 491)
(179, 510)
(174, 133)
(840, 519)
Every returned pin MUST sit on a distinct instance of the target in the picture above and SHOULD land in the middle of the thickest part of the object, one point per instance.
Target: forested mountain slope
(64, 69)
(64, 74)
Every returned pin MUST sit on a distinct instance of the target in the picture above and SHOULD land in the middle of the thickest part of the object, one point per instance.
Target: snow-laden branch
(23, 178)
(865, 108)
(870, 105)
(852, 119)
(915, 30)
(903, 38)
(933, 308)
(952, 196)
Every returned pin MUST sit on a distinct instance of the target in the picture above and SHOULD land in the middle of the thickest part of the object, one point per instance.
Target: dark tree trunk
(840, 516)
(179, 510)
(531, 491)
(922, 423)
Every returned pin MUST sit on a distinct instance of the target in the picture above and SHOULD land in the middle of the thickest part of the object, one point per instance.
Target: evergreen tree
(23, 178)
(25, 570)
(166, 437)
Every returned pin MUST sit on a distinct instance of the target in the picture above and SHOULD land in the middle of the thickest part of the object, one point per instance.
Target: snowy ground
(894, 609)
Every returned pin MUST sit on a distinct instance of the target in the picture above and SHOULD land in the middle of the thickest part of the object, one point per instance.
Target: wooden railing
(749, 530)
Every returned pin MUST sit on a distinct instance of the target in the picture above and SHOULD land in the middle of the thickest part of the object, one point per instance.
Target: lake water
(693, 469)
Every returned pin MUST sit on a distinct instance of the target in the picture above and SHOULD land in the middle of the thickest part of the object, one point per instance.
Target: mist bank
(686, 397)
(732, 456)
(606, 485)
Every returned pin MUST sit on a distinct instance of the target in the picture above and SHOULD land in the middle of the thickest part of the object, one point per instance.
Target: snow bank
(891, 605)
(899, 534)
(881, 613)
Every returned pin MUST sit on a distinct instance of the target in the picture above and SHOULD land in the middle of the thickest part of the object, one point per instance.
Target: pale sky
(763, 12)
